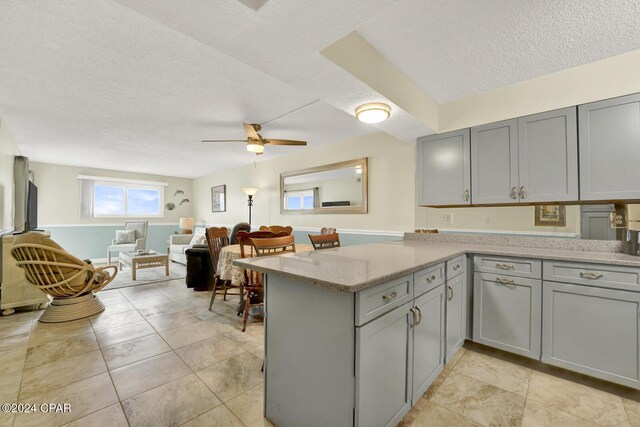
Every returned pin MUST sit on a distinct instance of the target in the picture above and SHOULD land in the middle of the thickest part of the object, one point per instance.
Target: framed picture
(551, 216)
(219, 198)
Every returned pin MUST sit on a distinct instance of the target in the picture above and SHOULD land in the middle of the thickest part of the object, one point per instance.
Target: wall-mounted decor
(185, 201)
(219, 198)
(551, 216)
(170, 206)
(178, 192)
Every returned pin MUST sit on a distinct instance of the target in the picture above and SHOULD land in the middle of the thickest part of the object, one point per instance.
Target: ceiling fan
(255, 142)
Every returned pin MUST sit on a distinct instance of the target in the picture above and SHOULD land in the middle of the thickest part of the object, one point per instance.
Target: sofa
(179, 243)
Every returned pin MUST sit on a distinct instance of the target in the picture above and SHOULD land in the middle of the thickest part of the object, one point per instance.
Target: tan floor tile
(113, 308)
(147, 298)
(433, 415)
(258, 352)
(53, 375)
(245, 340)
(206, 353)
(161, 309)
(46, 332)
(61, 349)
(538, 415)
(112, 297)
(483, 403)
(109, 337)
(189, 334)
(135, 350)
(633, 411)
(506, 375)
(9, 328)
(171, 404)
(217, 417)
(111, 416)
(106, 321)
(12, 360)
(20, 341)
(233, 376)
(9, 387)
(141, 376)
(576, 399)
(248, 407)
(172, 321)
(85, 397)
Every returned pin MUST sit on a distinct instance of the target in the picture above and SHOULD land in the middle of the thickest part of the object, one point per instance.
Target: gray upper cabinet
(443, 169)
(610, 149)
(548, 156)
(494, 163)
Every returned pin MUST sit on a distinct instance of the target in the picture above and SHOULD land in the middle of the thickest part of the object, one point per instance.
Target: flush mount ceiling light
(373, 112)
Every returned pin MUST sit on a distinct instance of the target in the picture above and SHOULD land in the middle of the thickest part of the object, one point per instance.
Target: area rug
(147, 275)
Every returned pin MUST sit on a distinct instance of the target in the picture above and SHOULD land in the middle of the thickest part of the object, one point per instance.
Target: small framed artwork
(551, 216)
(219, 198)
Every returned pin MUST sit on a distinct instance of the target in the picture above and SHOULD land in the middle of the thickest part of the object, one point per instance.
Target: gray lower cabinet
(456, 314)
(610, 149)
(592, 330)
(507, 313)
(443, 169)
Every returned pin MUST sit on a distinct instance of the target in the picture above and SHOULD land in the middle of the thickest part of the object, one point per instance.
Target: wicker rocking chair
(70, 281)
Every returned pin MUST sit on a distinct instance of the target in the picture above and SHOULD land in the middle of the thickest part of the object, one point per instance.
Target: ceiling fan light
(373, 112)
(255, 147)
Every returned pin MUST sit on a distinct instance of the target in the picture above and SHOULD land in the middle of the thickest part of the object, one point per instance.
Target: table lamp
(186, 225)
(250, 192)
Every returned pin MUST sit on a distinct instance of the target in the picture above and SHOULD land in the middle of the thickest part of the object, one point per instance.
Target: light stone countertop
(358, 267)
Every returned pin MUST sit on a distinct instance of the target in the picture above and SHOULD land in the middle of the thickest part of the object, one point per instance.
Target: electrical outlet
(447, 218)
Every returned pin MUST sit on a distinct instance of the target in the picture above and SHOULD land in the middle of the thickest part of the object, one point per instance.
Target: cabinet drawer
(605, 276)
(375, 301)
(427, 279)
(522, 267)
(456, 266)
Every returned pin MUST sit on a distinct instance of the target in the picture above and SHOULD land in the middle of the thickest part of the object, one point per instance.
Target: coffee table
(136, 261)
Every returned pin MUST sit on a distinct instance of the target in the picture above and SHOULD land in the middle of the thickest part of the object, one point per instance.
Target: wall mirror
(338, 188)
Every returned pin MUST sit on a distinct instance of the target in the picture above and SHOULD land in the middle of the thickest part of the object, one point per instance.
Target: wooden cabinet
(456, 325)
(610, 149)
(443, 169)
(507, 312)
(494, 163)
(592, 330)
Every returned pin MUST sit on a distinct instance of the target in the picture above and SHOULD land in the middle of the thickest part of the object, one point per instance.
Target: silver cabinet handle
(390, 296)
(450, 293)
(590, 275)
(413, 317)
(431, 279)
(456, 267)
(505, 267)
(523, 192)
(514, 192)
(504, 281)
(419, 316)
(466, 195)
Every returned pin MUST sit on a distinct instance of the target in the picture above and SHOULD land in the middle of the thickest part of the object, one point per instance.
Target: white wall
(59, 194)
(8, 149)
(391, 187)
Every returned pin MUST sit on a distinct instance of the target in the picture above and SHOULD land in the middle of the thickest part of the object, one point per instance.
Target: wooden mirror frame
(360, 209)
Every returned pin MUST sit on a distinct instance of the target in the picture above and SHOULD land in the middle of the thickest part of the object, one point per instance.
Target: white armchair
(179, 243)
(141, 228)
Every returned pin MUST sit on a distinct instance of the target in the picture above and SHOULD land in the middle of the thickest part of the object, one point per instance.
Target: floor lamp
(250, 192)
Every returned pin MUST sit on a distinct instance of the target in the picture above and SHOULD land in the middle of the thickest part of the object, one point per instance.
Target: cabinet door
(548, 156)
(456, 325)
(596, 226)
(610, 149)
(383, 368)
(507, 313)
(494, 163)
(443, 169)
(428, 340)
(592, 330)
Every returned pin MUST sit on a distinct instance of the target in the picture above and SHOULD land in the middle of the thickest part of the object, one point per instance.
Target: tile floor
(158, 357)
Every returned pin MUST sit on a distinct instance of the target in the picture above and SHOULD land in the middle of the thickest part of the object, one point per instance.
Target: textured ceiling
(136, 84)
(457, 48)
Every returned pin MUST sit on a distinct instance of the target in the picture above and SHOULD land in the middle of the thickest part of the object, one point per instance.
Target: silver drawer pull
(413, 317)
(431, 279)
(592, 276)
(505, 266)
(504, 281)
(456, 267)
(390, 296)
(419, 316)
(450, 293)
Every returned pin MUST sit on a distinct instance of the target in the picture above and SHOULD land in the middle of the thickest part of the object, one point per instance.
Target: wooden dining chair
(328, 230)
(277, 228)
(325, 241)
(217, 238)
(254, 280)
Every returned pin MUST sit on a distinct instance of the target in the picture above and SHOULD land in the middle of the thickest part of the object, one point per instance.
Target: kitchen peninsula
(355, 335)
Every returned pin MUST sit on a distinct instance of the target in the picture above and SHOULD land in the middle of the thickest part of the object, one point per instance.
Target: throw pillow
(199, 236)
(125, 237)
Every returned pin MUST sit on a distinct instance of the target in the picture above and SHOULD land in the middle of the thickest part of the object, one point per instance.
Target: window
(107, 198)
(299, 199)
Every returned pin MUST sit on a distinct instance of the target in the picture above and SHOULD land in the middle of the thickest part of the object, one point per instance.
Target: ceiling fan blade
(223, 140)
(251, 132)
(284, 142)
